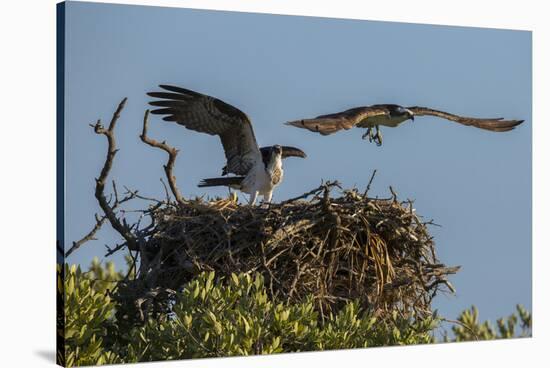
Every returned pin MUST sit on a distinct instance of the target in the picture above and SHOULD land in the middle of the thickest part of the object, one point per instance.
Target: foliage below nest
(215, 317)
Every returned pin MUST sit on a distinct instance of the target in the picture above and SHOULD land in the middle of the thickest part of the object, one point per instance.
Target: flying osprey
(258, 170)
(391, 115)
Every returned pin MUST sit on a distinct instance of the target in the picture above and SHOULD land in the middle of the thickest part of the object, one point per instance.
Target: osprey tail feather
(216, 182)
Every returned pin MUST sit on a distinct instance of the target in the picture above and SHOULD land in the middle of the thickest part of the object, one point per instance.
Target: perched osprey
(258, 170)
(391, 115)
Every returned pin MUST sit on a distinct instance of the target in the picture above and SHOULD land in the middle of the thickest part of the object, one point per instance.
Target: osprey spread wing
(391, 115)
(258, 170)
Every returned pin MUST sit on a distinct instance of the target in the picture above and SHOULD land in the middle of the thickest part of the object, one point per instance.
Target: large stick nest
(337, 249)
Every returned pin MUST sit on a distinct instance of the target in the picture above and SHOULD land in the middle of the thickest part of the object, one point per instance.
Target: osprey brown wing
(212, 116)
(331, 123)
(493, 124)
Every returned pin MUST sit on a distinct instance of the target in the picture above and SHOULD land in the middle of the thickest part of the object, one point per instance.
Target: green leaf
(235, 279)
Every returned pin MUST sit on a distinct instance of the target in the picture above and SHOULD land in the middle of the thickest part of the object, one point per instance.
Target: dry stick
(369, 184)
(165, 190)
(329, 184)
(172, 154)
(111, 251)
(394, 194)
(122, 228)
(98, 223)
(90, 236)
(136, 194)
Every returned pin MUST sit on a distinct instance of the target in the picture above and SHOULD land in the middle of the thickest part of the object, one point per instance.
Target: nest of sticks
(349, 247)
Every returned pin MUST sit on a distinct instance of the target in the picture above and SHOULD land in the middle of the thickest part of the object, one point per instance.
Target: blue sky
(476, 184)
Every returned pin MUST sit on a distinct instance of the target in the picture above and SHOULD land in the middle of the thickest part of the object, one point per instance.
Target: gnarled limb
(90, 236)
(99, 221)
(121, 227)
(172, 154)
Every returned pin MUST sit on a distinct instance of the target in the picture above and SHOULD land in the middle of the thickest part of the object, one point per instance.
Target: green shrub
(88, 313)
(226, 317)
(471, 329)
(237, 318)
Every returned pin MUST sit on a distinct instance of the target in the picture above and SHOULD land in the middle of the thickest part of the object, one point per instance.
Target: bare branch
(111, 251)
(370, 182)
(90, 236)
(165, 191)
(172, 154)
(99, 221)
(121, 228)
(328, 185)
(394, 194)
(136, 194)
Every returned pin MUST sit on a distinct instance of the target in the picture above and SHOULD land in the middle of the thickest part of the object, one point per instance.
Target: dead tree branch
(121, 227)
(172, 154)
(111, 251)
(99, 221)
(90, 236)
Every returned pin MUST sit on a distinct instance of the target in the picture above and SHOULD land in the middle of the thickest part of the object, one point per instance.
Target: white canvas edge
(28, 180)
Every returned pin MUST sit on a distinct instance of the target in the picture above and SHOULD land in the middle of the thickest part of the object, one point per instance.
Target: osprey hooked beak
(288, 151)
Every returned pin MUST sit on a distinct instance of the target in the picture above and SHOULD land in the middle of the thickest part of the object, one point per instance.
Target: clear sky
(476, 184)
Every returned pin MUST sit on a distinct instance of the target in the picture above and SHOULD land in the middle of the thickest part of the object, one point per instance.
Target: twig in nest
(172, 154)
(329, 184)
(122, 228)
(394, 194)
(369, 184)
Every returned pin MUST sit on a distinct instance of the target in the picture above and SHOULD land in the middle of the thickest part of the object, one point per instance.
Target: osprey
(258, 170)
(391, 115)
